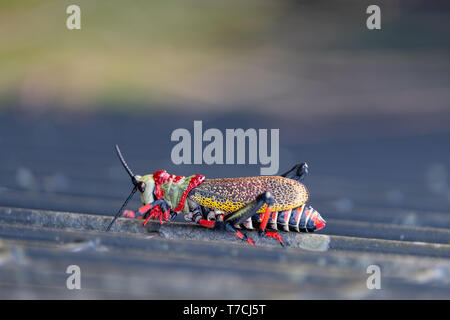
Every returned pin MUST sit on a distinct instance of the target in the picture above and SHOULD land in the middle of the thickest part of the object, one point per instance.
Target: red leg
(274, 235)
(207, 223)
(265, 219)
(212, 224)
(238, 234)
(156, 211)
(244, 237)
(251, 209)
(263, 225)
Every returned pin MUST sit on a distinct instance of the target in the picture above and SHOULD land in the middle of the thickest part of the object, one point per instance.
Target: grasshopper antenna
(119, 213)
(125, 165)
(133, 180)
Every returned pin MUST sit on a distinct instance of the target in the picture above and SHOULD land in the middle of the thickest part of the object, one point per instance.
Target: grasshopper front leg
(157, 209)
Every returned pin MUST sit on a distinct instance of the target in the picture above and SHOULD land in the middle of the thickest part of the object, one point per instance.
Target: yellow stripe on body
(232, 206)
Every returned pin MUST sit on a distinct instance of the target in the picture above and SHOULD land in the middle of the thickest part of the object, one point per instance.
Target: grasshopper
(274, 202)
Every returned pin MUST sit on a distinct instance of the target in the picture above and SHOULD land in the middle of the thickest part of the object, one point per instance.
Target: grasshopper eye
(141, 187)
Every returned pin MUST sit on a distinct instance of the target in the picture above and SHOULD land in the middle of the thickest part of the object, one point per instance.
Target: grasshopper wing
(231, 194)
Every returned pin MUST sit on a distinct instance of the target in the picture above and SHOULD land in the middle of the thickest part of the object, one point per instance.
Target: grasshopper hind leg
(219, 224)
(242, 215)
(250, 210)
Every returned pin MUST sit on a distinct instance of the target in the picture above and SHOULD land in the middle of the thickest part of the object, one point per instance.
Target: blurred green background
(127, 52)
(306, 59)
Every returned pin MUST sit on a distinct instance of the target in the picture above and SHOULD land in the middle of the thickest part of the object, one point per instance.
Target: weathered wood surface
(386, 202)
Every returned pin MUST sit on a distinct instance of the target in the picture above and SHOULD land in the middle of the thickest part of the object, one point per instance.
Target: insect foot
(238, 234)
(226, 226)
(272, 234)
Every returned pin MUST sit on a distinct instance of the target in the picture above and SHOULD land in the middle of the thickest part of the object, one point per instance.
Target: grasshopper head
(146, 186)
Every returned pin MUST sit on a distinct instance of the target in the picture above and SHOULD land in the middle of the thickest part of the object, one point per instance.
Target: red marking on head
(160, 177)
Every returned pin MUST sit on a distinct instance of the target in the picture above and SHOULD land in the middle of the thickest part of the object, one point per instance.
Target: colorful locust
(265, 202)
